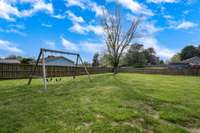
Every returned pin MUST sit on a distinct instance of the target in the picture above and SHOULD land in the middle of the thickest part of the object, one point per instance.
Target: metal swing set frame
(44, 75)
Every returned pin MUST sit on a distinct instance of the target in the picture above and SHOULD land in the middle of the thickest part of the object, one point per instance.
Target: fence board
(18, 71)
(186, 72)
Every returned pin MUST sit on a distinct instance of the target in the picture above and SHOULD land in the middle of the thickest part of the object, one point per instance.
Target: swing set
(41, 57)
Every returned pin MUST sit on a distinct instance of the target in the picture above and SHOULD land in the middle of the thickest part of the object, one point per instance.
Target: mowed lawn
(122, 103)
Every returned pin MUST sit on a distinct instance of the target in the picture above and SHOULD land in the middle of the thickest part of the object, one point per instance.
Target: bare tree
(117, 40)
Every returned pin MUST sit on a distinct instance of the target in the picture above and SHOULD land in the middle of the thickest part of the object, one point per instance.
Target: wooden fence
(17, 71)
(187, 72)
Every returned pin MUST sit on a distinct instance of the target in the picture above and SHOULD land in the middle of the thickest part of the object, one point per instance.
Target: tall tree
(189, 52)
(135, 56)
(150, 55)
(176, 58)
(116, 40)
(95, 61)
(26, 60)
(104, 60)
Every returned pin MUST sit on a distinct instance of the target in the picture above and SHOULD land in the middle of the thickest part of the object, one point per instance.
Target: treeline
(136, 56)
(186, 53)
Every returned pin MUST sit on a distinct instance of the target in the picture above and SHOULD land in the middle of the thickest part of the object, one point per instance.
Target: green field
(121, 103)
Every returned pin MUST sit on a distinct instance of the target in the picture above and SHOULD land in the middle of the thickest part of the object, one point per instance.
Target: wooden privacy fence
(17, 71)
(187, 72)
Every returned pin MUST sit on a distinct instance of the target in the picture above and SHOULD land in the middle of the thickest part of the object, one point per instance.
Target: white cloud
(39, 6)
(50, 44)
(91, 47)
(168, 17)
(18, 26)
(87, 4)
(134, 6)
(9, 12)
(79, 3)
(97, 9)
(186, 25)
(74, 18)
(161, 51)
(84, 29)
(177, 25)
(98, 30)
(149, 28)
(163, 1)
(68, 45)
(8, 46)
(59, 16)
(148, 39)
(86, 46)
(12, 30)
(46, 25)
(78, 28)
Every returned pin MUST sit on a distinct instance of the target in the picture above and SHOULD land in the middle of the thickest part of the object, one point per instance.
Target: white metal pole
(44, 70)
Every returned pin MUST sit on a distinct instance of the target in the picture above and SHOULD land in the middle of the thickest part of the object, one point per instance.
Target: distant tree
(26, 60)
(176, 58)
(87, 64)
(189, 52)
(135, 56)
(95, 61)
(150, 55)
(116, 39)
(162, 62)
(105, 60)
(19, 58)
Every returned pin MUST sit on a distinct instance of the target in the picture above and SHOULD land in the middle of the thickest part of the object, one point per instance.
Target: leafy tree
(116, 39)
(95, 61)
(138, 56)
(87, 64)
(104, 60)
(26, 60)
(162, 62)
(150, 55)
(135, 56)
(176, 58)
(189, 52)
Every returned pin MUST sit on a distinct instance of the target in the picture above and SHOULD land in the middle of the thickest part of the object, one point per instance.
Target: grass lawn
(122, 103)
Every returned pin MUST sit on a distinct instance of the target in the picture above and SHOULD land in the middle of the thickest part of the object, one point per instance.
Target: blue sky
(74, 25)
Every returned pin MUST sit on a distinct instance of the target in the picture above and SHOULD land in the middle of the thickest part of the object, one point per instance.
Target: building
(58, 61)
(193, 62)
(9, 61)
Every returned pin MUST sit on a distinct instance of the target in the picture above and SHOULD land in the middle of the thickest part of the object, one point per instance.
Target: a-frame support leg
(44, 70)
(32, 73)
(76, 67)
(84, 67)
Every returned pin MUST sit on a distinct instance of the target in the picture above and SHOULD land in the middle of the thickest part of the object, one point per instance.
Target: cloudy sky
(74, 25)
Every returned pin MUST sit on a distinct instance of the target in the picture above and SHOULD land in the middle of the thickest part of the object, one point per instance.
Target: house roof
(50, 58)
(193, 61)
(10, 61)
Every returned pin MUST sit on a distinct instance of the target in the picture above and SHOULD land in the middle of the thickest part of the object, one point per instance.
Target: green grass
(121, 103)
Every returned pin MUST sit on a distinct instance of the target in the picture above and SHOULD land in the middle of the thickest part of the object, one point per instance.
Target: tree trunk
(115, 69)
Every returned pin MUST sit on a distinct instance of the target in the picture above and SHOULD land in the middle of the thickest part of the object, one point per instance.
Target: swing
(44, 74)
